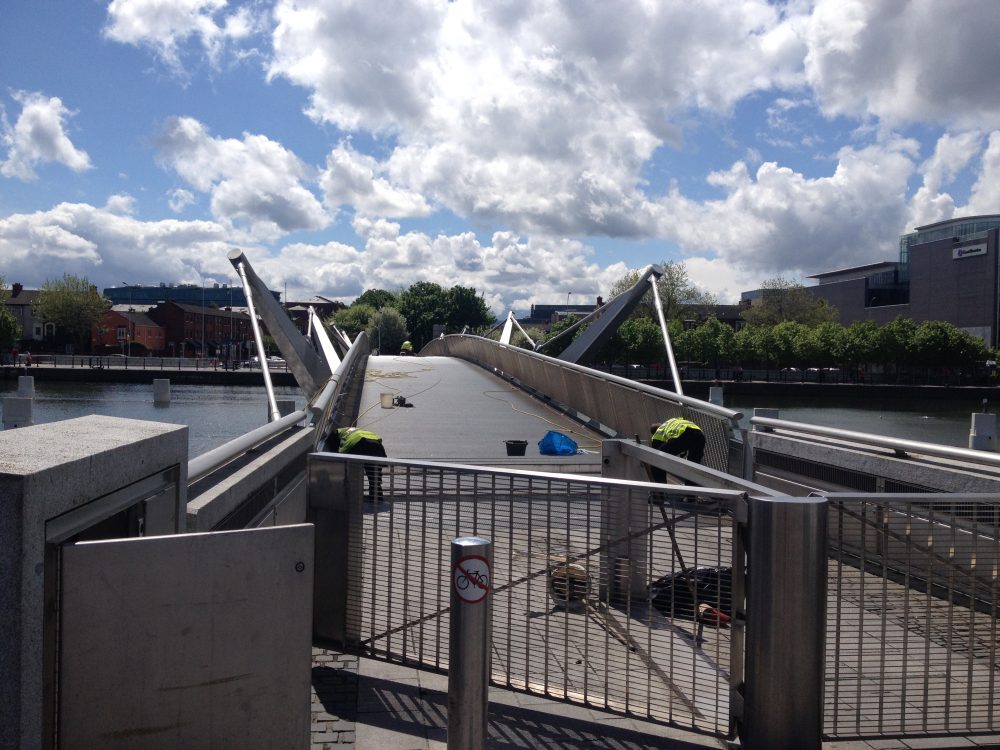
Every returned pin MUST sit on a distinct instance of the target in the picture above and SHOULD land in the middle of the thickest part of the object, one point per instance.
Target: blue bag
(556, 444)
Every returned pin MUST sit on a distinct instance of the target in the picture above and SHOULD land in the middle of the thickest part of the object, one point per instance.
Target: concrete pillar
(17, 412)
(161, 392)
(983, 432)
(285, 406)
(26, 386)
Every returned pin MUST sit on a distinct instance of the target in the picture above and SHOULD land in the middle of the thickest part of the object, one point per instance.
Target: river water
(217, 413)
(212, 413)
(944, 421)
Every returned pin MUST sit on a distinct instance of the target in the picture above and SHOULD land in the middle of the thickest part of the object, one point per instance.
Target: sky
(534, 150)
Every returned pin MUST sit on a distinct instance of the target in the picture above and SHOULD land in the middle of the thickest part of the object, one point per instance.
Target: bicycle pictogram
(471, 578)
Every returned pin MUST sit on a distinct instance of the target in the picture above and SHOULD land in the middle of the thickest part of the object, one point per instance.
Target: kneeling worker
(362, 443)
(678, 437)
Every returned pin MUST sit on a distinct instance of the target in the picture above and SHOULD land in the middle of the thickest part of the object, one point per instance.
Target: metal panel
(198, 640)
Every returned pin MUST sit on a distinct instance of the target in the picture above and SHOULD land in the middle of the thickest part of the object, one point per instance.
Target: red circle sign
(470, 577)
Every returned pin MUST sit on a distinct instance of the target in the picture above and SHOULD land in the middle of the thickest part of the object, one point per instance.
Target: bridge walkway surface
(462, 413)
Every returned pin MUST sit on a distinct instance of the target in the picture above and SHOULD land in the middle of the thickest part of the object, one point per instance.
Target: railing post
(469, 642)
(786, 610)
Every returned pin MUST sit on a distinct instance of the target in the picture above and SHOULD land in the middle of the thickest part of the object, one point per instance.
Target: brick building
(192, 331)
(128, 332)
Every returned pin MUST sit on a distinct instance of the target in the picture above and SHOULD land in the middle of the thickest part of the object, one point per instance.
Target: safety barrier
(912, 636)
(606, 593)
(621, 407)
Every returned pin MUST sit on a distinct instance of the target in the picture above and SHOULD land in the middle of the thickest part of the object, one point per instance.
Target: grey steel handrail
(899, 445)
(693, 403)
(212, 460)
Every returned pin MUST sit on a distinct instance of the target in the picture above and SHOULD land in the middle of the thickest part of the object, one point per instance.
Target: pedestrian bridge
(801, 585)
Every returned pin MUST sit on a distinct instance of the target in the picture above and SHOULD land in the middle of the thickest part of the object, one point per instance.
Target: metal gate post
(469, 643)
(786, 610)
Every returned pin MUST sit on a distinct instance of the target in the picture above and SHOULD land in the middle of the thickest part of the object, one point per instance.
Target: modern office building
(946, 271)
(216, 295)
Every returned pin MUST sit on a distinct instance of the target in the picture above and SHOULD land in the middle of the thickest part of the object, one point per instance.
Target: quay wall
(183, 376)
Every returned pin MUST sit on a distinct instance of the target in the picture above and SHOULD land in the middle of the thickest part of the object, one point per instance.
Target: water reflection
(212, 413)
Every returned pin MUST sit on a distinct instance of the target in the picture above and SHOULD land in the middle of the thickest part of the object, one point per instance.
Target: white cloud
(905, 62)
(107, 246)
(952, 154)
(178, 199)
(166, 25)
(121, 204)
(985, 198)
(539, 116)
(255, 183)
(38, 137)
(777, 221)
(352, 178)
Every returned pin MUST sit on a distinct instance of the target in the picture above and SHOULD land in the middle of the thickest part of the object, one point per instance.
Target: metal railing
(621, 407)
(899, 446)
(606, 593)
(155, 363)
(321, 410)
(912, 634)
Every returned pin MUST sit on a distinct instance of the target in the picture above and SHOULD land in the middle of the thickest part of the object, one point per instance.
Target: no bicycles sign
(471, 578)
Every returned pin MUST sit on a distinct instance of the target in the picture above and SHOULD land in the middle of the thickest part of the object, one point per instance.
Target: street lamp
(128, 328)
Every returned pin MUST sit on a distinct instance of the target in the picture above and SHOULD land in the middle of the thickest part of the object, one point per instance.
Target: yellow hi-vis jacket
(672, 429)
(351, 436)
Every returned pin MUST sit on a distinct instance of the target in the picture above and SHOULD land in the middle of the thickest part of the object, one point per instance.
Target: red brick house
(132, 333)
(193, 331)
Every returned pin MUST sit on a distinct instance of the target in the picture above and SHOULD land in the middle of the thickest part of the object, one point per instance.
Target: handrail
(319, 411)
(899, 445)
(704, 407)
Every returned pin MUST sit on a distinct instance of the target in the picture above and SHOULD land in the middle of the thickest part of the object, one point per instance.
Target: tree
(10, 329)
(73, 304)
(354, 319)
(377, 299)
(387, 330)
(783, 300)
(423, 304)
(467, 309)
(675, 288)
(642, 341)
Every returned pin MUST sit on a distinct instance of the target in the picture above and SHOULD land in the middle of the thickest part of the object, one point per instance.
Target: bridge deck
(463, 414)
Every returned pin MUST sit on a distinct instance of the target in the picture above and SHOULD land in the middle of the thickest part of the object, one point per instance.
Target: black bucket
(516, 447)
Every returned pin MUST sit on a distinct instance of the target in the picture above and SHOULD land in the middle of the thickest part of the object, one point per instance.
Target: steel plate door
(191, 640)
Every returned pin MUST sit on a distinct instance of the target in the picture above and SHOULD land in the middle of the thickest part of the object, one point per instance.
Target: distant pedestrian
(27, 359)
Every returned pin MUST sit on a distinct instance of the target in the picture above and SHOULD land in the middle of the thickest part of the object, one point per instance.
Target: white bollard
(983, 432)
(17, 412)
(161, 392)
(715, 395)
(26, 386)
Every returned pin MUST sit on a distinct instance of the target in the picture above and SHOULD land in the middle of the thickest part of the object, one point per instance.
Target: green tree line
(389, 318)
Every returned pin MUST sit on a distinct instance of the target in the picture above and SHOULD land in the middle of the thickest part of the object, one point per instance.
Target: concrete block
(161, 392)
(26, 386)
(45, 471)
(17, 412)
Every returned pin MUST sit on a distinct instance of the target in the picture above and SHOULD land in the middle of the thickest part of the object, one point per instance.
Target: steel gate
(605, 592)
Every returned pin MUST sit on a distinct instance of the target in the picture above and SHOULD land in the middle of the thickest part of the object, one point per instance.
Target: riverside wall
(182, 376)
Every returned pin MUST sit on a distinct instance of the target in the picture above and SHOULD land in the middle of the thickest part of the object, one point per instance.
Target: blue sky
(527, 149)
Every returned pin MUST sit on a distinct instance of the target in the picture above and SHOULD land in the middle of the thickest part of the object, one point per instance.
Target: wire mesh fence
(912, 636)
(606, 593)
